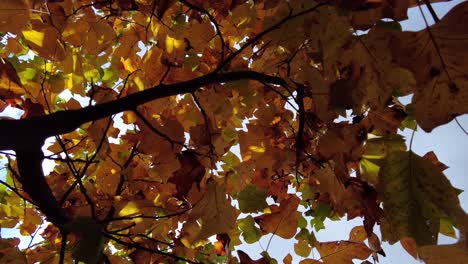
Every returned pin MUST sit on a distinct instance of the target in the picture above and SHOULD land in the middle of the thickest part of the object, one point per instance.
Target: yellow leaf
(257, 149)
(34, 37)
(172, 43)
(128, 64)
(129, 209)
(45, 40)
(139, 83)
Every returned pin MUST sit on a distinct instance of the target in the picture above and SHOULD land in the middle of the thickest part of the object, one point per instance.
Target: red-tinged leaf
(222, 244)
(410, 246)
(191, 172)
(431, 156)
(32, 109)
(9, 252)
(10, 84)
(287, 259)
(371, 209)
(245, 259)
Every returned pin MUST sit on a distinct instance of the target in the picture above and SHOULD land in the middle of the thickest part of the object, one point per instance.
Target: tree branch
(17, 133)
(34, 184)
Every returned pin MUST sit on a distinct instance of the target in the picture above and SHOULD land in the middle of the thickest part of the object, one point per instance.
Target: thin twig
(263, 33)
(207, 127)
(213, 21)
(431, 10)
(155, 251)
(156, 131)
(461, 127)
(13, 189)
(148, 216)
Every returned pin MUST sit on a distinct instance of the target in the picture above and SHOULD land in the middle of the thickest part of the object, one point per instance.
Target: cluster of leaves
(194, 81)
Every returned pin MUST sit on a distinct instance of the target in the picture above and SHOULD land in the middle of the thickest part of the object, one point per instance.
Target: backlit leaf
(416, 194)
(216, 217)
(342, 251)
(252, 199)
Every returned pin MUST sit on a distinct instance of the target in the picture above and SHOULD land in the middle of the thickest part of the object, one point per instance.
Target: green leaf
(446, 227)
(379, 147)
(302, 223)
(252, 199)
(369, 171)
(231, 160)
(308, 192)
(409, 122)
(250, 232)
(320, 213)
(28, 74)
(416, 195)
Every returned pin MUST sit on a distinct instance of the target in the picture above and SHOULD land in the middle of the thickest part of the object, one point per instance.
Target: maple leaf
(342, 251)
(283, 219)
(190, 172)
(425, 195)
(442, 75)
(215, 212)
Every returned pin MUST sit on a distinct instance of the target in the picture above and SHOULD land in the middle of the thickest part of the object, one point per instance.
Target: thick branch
(21, 134)
(34, 184)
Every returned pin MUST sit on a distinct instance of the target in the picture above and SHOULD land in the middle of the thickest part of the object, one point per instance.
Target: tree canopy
(181, 129)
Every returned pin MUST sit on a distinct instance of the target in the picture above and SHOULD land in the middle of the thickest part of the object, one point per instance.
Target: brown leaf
(217, 215)
(444, 254)
(342, 252)
(45, 40)
(343, 200)
(14, 16)
(410, 246)
(358, 234)
(282, 222)
(287, 259)
(245, 259)
(10, 84)
(439, 68)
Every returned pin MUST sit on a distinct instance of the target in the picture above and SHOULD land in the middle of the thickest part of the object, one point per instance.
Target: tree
(193, 81)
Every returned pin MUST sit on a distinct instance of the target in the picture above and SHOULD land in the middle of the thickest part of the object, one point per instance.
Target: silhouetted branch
(17, 133)
(155, 251)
